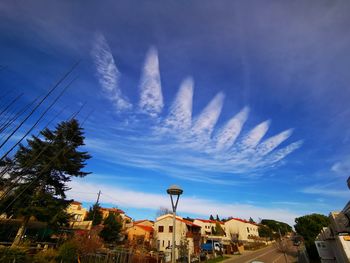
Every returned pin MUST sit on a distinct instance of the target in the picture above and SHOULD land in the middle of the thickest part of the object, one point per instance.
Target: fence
(122, 256)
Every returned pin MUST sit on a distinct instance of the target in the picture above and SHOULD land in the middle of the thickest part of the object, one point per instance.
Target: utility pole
(98, 199)
(98, 196)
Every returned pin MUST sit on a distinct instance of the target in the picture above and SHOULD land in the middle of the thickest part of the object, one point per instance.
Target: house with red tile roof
(186, 232)
(208, 227)
(144, 222)
(241, 230)
(140, 234)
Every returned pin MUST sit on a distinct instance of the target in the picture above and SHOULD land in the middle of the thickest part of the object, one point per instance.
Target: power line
(41, 102)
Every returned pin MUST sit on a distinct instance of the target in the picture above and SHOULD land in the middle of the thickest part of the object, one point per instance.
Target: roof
(114, 210)
(243, 221)
(146, 228)
(75, 203)
(140, 221)
(210, 221)
(189, 223)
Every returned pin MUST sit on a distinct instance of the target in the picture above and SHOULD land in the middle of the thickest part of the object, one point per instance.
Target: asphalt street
(269, 254)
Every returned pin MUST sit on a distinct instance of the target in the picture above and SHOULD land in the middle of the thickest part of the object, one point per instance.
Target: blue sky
(242, 103)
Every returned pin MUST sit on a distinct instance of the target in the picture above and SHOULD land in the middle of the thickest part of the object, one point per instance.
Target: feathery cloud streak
(191, 144)
(108, 74)
(151, 98)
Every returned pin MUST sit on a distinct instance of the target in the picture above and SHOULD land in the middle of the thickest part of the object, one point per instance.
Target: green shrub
(45, 256)
(68, 252)
(10, 255)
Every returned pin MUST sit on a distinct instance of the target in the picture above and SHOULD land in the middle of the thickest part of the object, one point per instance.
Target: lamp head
(174, 190)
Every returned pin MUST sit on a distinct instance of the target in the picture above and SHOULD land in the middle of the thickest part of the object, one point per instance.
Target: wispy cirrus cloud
(191, 145)
(326, 190)
(108, 74)
(342, 167)
(180, 116)
(151, 97)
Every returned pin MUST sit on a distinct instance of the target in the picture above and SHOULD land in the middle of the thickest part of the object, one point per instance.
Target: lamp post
(174, 191)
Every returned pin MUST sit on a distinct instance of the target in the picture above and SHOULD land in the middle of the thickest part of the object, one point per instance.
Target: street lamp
(174, 191)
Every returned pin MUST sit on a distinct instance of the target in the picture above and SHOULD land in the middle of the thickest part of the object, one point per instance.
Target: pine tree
(41, 171)
(211, 217)
(217, 217)
(111, 228)
(95, 214)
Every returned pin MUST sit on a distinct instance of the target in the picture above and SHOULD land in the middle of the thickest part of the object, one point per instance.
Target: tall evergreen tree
(41, 171)
(217, 217)
(95, 214)
(211, 217)
(111, 228)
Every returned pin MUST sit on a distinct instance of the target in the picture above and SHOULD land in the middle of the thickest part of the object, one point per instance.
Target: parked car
(212, 246)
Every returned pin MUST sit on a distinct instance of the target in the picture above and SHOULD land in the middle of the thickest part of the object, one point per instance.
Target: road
(269, 254)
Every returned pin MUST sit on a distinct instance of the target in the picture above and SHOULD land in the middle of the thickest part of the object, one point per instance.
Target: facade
(333, 242)
(208, 227)
(77, 211)
(140, 234)
(186, 233)
(241, 230)
(126, 220)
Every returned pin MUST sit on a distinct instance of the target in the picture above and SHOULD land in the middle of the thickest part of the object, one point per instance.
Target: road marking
(250, 260)
(277, 259)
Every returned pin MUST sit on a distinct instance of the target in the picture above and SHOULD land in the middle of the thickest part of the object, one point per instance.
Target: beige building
(241, 230)
(126, 220)
(77, 211)
(185, 232)
(208, 227)
(140, 234)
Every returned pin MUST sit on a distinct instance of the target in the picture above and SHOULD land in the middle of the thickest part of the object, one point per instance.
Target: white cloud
(108, 74)
(227, 135)
(190, 145)
(271, 143)
(326, 190)
(151, 98)
(122, 197)
(255, 135)
(204, 124)
(180, 116)
(342, 168)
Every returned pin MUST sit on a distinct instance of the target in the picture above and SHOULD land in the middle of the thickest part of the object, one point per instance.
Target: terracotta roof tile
(146, 228)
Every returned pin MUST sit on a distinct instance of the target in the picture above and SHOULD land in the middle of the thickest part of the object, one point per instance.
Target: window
(168, 243)
(248, 229)
(170, 229)
(160, 229)
(163, 243)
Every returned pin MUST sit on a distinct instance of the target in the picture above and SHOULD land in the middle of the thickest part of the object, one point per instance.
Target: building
(140, 235)
(126, 220)
(77, 211)
(144, 222)
(241, 230)
(187, 234)
(209, 227)
(333, 242)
